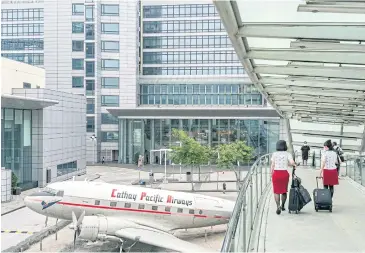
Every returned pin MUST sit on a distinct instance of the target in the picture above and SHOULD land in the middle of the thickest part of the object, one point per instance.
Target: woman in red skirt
(328, 166)
(280, 175)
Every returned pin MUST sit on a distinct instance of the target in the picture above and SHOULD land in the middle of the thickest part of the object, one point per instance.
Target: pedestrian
(103, 160)
(280, 175)
(140, 162)
(339, 152)
(224, 187)
(305, 153)
(328, 172)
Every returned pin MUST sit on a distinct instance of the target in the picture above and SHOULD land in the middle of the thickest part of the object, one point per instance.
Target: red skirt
(330, 177)
(280, 180)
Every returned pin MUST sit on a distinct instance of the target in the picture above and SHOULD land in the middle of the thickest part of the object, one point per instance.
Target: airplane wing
(158, 238)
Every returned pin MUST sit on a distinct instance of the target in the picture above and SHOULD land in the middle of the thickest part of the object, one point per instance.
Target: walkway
(343, 230)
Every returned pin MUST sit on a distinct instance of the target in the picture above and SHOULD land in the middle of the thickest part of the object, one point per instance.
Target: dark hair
(281, 146)
(334, 143)
(328, 144)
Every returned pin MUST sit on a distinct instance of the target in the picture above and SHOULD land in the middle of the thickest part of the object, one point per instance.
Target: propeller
(76, 225)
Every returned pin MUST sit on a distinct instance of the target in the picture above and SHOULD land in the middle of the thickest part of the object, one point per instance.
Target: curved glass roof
(308, 59)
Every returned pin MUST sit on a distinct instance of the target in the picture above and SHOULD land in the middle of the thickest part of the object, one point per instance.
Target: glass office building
(141, 136)
(16, 145)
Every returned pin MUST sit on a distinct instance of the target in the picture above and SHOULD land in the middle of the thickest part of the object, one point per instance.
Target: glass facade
(215, 41)
(139, 136)
(183, 10)
(30, 29)
(33, 59)
(65, 168)
(200, 94)
(193, 71)
(16, 145)
(21, 44)
(187, 26)
(11, 15)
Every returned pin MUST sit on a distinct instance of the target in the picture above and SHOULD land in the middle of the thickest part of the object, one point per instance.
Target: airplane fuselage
(160, 209)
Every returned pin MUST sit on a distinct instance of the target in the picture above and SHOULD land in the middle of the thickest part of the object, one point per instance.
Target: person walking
(103, 160)
(329, 161)
(305, 153)
(339, 152)
(280, 175)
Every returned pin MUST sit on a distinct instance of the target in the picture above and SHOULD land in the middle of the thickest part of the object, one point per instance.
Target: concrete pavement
(343, 230)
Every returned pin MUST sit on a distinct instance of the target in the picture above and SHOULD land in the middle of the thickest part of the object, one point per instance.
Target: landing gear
(121, 246)
(127, 249)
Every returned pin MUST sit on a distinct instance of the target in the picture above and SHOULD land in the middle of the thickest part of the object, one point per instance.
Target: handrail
(259, 172)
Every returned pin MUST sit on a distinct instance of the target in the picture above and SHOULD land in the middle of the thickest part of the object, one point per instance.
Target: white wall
(14, 74)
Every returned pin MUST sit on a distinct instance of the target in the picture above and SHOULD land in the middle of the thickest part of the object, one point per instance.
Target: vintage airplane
(129, 214)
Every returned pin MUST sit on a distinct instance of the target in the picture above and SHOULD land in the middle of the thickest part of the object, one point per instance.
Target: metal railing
(241, 225)
(354, 168)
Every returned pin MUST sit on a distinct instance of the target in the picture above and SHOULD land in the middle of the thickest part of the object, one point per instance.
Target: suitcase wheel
(316, 208)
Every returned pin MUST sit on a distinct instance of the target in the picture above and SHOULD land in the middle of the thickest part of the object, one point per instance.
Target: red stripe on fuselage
(135, 210)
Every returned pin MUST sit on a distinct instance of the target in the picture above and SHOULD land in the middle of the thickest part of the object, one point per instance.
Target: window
(35, 14)
(110, 82)
(90, 87)
(113, 204)
(110, 100)
(77, 27)
(179, 210)
(90, 107)
(200, 212)
(90, 124)
(110, 28)
(30, 29)
(110, 10)
(109, 64)
(89, 34)
(191, 211)
(90, 50)
(154, 208)
(141, 206)
(77, 82)
(167, 208)
(77, 9)
(110, 46)
(109, 136)
(97, 202)
(107, 118)
(77, 46)
(89, 13)
(90, 68)
(65, 168)
(27, 85)
(77, 64)
(127, 205)
(22, 44)
(32, 59)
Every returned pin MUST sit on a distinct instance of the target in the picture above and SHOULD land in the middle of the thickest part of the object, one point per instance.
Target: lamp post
(93, 139)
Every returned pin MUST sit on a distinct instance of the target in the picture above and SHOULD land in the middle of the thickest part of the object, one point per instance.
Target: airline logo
(46, 205)
(150, 198)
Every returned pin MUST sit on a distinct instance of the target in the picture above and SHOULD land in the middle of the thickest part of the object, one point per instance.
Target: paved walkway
(343, 230)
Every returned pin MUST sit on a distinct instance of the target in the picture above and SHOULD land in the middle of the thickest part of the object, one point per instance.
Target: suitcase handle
(317, 180)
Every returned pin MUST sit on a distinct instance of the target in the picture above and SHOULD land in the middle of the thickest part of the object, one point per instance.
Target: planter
(17, 191)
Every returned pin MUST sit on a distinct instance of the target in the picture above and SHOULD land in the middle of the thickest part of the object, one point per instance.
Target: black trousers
(331, 189)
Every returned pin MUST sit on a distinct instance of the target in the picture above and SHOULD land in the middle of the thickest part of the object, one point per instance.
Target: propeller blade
(74, 221)
(81, 218)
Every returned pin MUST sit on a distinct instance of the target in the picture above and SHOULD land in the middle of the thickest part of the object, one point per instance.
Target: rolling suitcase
(322, 198)
(304, 195)
(295, 204)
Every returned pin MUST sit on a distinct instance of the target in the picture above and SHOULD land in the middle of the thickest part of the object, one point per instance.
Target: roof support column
(341, 135)
(290, 140)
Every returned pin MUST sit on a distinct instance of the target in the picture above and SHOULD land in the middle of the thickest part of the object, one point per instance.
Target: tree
(230, 154)
(190, 152)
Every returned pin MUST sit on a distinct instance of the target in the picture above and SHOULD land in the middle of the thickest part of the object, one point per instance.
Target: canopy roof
(308, 64)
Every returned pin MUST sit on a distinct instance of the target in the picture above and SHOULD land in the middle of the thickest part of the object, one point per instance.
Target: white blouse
(281, 160)
(330, 158)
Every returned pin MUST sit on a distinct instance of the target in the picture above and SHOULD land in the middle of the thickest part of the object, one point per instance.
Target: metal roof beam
(288, 106)
(324, 31)
(320, 145)
(314, 92)
(333, 8)
(328, 133)
(307, 55)
(282, 99)
(314, 71)
(333, 45)
(336, 84)
(327, 115)
(295, 109)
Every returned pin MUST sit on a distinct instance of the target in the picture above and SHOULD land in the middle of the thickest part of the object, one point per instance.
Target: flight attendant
(329, 162)
(280, 175)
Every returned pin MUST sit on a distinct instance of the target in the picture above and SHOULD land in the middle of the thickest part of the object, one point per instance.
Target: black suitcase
(295, 204)
(304, 195)
(322, 198)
